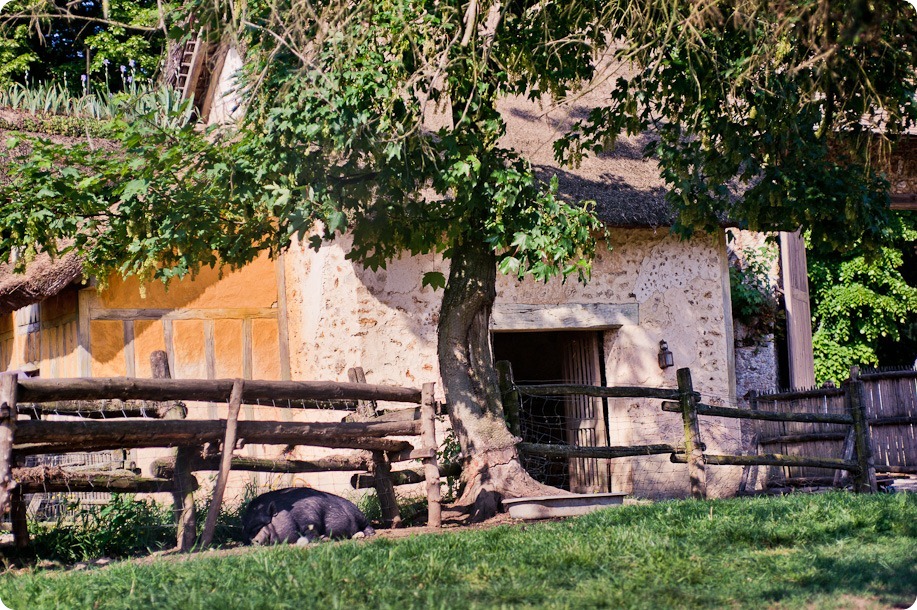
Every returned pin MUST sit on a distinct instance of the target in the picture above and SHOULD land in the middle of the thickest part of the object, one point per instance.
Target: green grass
(821, 551)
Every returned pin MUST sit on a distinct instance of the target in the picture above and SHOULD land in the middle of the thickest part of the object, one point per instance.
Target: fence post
(385, 490)
(229, 444)
(431, 469)
(696, 469)
(750, 473)
(865, 480)
(366, 409)
(510, 397)
(8, 388)
(184, 483)
(381, 467)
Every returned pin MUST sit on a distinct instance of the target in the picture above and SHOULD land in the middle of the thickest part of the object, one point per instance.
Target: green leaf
(433, 279)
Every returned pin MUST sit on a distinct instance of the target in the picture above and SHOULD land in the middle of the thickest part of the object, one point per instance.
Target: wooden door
(798, 314)
(585, 420)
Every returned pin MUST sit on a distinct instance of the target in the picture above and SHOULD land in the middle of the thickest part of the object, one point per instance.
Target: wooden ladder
(189, 70)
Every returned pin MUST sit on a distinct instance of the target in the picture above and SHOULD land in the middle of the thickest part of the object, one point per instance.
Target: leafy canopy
(859, 304)
(54, 40)
(371, 117)
(773, 114)
(380, 116)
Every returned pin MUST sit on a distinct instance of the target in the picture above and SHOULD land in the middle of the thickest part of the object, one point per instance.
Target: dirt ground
(451, 522)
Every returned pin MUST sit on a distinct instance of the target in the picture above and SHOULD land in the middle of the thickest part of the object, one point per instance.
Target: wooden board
(572, 316)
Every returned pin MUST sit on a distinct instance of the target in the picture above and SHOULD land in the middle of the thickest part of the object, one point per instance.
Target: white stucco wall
(342, 315)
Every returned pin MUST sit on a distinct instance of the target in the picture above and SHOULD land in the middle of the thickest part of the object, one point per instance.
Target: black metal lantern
(665, 356)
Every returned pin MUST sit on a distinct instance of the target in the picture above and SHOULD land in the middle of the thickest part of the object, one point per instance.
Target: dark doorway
(559, 357)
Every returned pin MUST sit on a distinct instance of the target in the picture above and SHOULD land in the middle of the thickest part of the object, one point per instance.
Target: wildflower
(123, 68)
(131, 63)
(83, 78)
(105, 62)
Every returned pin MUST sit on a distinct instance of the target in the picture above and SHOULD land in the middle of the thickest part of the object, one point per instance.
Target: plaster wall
(343, 315)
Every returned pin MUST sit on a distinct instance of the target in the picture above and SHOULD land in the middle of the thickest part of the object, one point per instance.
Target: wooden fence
(889, 404)
(367, 431)
(690, 449)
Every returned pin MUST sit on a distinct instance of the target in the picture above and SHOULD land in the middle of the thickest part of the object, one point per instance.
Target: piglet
(302, 515)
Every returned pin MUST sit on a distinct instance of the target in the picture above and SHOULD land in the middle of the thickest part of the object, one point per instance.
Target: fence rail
(97, 431)
(691, 450)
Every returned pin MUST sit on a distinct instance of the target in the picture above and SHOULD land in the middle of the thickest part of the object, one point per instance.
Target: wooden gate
(585, 422)
(891, 410)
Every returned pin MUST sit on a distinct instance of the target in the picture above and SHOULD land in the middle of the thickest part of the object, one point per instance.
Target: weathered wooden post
(381, 467)
(750, 472)
(385, 490)
(865, 480)
(366, 409)
(428, 442)
(184, 482)
(229, 443)
(693, 447)
(19, 518)
(510, 397)
(8, 388)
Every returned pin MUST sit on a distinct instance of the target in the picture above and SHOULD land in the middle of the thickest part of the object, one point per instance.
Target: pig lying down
(302, 515)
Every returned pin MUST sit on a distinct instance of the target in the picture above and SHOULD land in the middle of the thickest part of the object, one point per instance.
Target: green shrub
(754, 301)
(125, 526)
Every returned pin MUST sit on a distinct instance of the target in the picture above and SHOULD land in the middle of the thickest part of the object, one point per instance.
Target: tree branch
(71, 17)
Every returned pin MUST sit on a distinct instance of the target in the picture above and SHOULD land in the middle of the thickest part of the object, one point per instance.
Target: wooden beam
(430, 466)
(570, 451)
(37, 437)
(599, 391)
(802, 438)
(697, 471)
(8, 414)
(283, 324)
(229, 444)
(360, 460)
(130, 362)
(812, 418)
(102, 409)
(889, 375)
(903, 201)
(570, 316)
(404, 477)
(798, 312)
(233, 313)
(43, 479)
(85, 298)
(48, 390)
(770, 459)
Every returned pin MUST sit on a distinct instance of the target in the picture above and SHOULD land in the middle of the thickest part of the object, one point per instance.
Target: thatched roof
(626, 187)
(44, 277)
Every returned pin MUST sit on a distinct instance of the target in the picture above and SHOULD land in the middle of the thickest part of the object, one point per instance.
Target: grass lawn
(802, 551)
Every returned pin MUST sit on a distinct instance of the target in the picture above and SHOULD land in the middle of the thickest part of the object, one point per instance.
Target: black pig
(301, 514)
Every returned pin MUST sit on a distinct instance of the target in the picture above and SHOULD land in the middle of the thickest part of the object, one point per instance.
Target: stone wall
(342, 315)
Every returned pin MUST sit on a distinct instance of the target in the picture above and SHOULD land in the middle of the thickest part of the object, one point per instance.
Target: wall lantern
(665, 356)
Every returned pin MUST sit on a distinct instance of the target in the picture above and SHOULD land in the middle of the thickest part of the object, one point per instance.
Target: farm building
(312, 315)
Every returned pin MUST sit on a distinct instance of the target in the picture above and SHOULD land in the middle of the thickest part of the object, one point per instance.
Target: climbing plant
(864, 307)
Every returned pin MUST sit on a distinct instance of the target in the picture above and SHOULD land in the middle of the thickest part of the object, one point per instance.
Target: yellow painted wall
(265, 356)
(42, 335)
(227, 338)
(107, 347)
(255, 285)
(190, 357)
(149, 337)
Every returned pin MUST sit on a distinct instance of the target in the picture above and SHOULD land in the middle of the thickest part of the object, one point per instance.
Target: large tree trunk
(492, 470)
